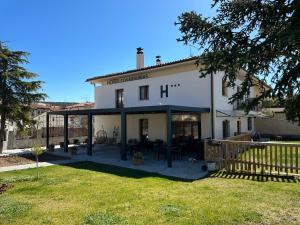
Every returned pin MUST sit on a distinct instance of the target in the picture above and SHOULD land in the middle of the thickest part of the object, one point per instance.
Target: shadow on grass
(256, 177)
(121, 171)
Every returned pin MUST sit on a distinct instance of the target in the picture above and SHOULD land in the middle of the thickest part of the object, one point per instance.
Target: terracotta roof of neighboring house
(45, 106)
(276, 110)
(143, 69)
(81, 105)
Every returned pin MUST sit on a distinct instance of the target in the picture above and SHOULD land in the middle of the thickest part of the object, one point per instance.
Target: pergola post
(47, 130)
(66, 135)
(123, 150)
(90, 135)
(169, 137)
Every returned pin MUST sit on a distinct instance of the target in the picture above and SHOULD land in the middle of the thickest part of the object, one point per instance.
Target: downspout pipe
(212, 108)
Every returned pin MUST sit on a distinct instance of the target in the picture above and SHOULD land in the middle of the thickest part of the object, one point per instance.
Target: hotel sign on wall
(129, 78)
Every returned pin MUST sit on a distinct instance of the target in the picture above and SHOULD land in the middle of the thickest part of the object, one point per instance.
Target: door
(143, 130)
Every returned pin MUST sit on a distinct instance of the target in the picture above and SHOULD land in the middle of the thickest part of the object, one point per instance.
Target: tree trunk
(2, 131)
(37, 167)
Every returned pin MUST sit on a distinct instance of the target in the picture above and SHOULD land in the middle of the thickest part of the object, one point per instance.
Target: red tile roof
(81, 105)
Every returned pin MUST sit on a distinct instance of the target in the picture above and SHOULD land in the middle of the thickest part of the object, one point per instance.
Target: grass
(287, 155)
(88, 194)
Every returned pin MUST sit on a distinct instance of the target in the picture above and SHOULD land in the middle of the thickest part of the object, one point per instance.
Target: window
(119, 98)
(249, 123)
(240, 100)
(224, 87)
(238, 127)
(185, 130)
(144, 92)
(226, 128)
(143, 130)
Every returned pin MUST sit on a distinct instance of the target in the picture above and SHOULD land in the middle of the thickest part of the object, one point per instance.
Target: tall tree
(260, 36)
(18, 90)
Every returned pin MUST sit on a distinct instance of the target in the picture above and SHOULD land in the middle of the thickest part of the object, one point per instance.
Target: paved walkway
(33, 165)
(110, 155)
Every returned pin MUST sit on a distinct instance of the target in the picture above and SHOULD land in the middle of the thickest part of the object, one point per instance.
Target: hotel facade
(169, 102)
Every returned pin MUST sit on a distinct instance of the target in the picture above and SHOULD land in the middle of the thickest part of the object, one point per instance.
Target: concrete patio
(109, 154)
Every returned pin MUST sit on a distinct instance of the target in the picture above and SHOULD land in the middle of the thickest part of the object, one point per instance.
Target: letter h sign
(164, 91)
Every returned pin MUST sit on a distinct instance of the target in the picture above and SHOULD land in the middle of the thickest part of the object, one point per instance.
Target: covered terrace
(168, 110)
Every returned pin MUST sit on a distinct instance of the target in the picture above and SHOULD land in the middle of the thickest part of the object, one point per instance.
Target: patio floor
(109, 154)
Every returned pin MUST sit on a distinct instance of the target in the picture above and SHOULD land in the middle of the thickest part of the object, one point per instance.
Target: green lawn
(286, 155)
(89, 193)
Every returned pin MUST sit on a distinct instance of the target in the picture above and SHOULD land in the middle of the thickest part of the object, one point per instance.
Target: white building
(176, 83)
(166, 101)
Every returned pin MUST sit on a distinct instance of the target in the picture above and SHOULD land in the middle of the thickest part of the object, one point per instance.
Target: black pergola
(168, 109)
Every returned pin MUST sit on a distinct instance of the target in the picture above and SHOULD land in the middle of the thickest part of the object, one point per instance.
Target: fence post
(205, 149)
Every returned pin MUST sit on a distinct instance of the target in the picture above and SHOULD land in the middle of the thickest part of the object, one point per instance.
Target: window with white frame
(144, 92)
(224, 87)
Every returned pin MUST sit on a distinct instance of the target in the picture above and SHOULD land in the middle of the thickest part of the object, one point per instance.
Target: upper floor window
(238, 127)
(144, 92)
(249, 123)
(119, 98)
(224, 87)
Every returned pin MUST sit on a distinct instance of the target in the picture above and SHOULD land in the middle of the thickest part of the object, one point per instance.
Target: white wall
(222, 102)
(273, 126)
(192, 91)
(157, 125)
(107, 123)
(233, 125)
(205, 125)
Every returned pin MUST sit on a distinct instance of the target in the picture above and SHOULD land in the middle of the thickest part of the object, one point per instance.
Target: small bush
(101, 218)
(10, 208)
(17, 179)
(171, 210)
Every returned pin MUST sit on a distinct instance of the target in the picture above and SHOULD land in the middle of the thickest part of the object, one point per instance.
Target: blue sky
(71, 40)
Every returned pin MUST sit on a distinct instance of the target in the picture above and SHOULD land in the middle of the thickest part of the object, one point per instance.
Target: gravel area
(22, 159)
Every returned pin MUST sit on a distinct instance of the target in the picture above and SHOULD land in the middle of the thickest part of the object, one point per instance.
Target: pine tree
(18, 90)
(259, 36)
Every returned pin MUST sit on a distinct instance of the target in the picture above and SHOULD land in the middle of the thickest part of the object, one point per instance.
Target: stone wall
(13, 143)
(275, 127)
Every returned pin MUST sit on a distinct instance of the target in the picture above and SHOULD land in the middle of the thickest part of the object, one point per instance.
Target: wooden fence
(254, 157)
(240, 137)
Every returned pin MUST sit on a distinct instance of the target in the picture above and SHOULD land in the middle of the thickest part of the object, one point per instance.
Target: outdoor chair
(176, 153)
(160, 149)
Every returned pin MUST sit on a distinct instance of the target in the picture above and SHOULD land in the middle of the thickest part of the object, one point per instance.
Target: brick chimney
(158, 62)
(139, 58)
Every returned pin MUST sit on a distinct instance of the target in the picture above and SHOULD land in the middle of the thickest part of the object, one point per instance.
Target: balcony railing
(241, 105)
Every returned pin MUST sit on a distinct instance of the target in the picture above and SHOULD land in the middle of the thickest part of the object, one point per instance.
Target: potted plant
(138, 158)
(51, 148)
(73, 150)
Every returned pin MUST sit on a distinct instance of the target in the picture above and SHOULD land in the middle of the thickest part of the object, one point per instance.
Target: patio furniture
(147, 145)
(176, 152)
(76, 141)
(161, 150)
(133, 146)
